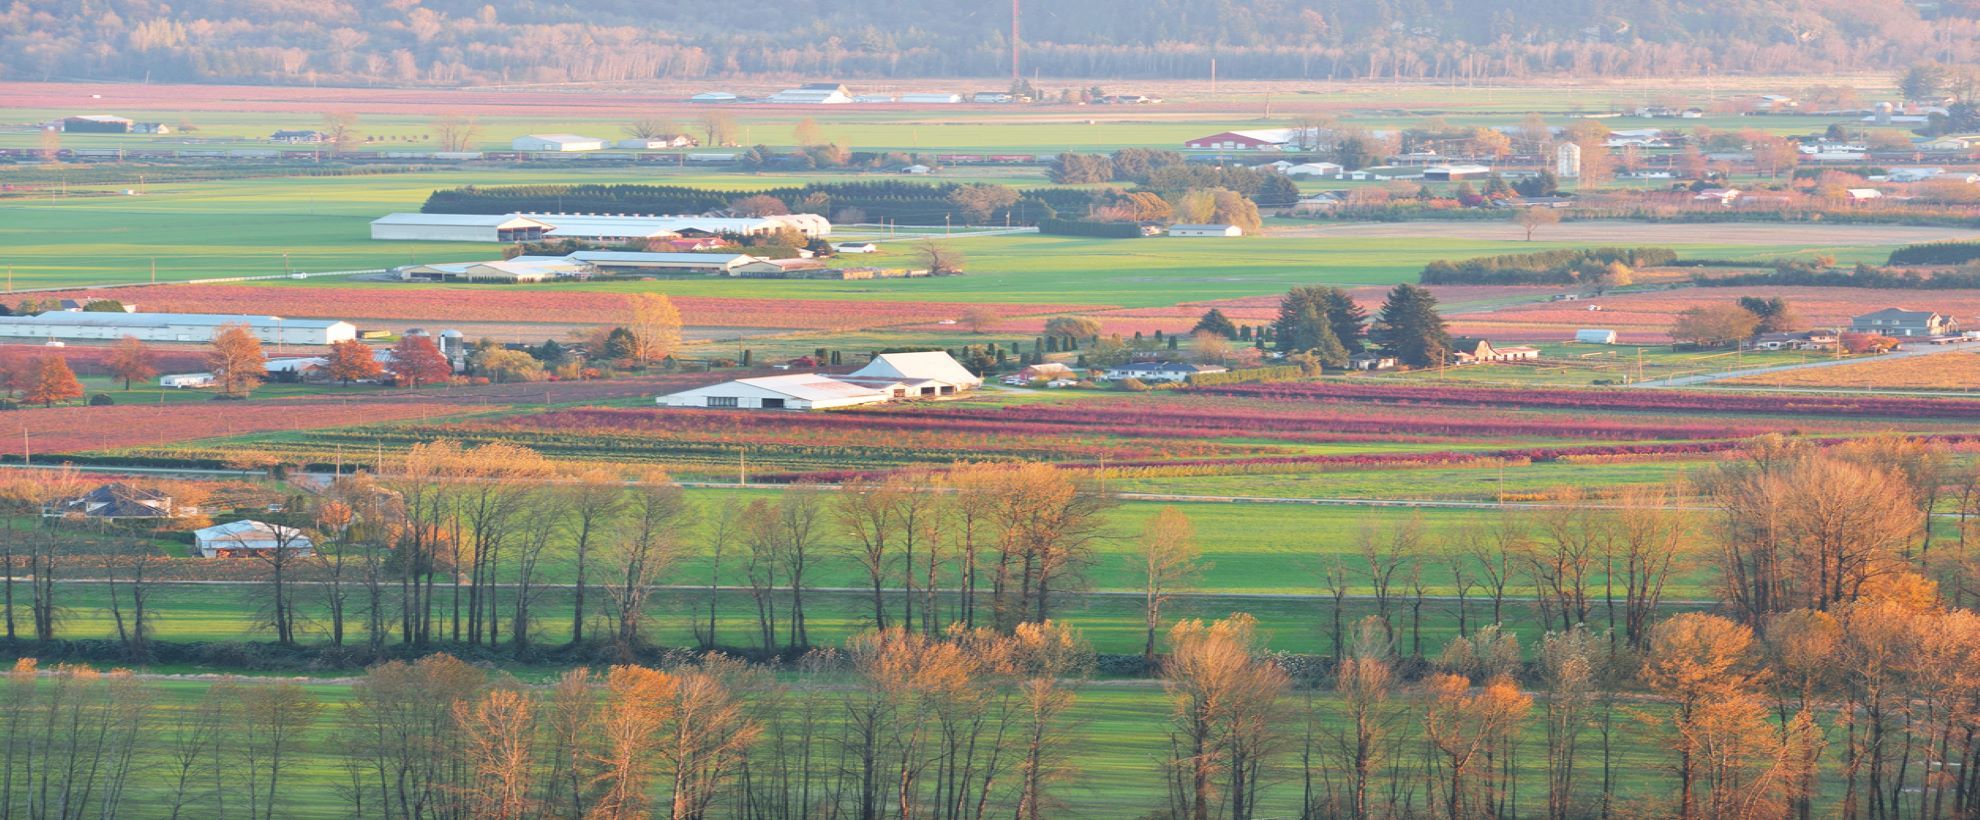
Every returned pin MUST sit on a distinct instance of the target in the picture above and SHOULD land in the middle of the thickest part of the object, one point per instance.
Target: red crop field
(1644, 318)
(418, 304)
(89, 361)
(77, 429)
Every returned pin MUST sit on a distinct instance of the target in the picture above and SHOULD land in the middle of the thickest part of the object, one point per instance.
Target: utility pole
(1016, 13)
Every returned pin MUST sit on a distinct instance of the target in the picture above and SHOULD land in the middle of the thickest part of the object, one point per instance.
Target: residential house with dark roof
(1900, 323)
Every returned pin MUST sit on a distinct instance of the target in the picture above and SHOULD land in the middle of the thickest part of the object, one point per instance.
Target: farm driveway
(1702, 378)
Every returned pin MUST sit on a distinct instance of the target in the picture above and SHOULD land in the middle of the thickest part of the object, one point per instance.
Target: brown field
(1617, 232)
(1951, 371)
(1644, 318)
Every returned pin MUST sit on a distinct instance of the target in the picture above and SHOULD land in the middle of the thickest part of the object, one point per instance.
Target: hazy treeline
(457, 41)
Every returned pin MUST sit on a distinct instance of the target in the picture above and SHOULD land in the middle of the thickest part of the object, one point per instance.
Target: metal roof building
(557, 142)
(458, 228)
(174, 327)
(797, 391)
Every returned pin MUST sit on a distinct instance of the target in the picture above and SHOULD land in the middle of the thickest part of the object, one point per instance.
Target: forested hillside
(457, 41)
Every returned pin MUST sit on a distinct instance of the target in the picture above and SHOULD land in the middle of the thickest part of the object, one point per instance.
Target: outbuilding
(557, 143)
(796, 391)
(1595, 336)
(174, 327)
(458, 228)
(1205, 230)
(947, 375)
(247, 538)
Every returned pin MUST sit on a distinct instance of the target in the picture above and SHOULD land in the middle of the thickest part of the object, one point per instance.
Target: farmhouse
(647, 143)
(813, 94)
(1595, 336)
(562, 143)
(1804, 340)
(117, 501)
(174, 327)
(937, 367)
(250, 538)
(1205, 230)
(1371, 361)
(1160, 371)
(1474, 351)
(1272, 139)
(97, 124)
(1901, 323)
(1041, 372)
(458, 228)
(797, 391)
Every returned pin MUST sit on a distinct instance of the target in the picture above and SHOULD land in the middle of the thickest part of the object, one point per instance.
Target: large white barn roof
(932, 365)
(460, 220)
(134, 320)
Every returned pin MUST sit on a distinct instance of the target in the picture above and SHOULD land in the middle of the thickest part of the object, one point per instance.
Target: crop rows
(76, 429)
(1646, 401)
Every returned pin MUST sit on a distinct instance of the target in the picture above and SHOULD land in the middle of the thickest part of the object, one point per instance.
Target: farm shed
(174, 327)
(249, 538)
(518, 270)
(182, 381)
(1205, 230)
(797, 391)
(617, 228)
(813, 94)
(561, 143)
(638, 261)
(1454, 173)
(457, 228)
(1595, 336)
(931, 366)
(1274, 139)
(117, 501)
(930, 99)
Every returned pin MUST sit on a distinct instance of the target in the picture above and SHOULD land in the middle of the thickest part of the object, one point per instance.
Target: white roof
(722, 260)
(1201, 227)
(562, 138)
(460, 220)
(1459, 169)
(246, 530)
(933, 365)
(811, 387)
(116, 320)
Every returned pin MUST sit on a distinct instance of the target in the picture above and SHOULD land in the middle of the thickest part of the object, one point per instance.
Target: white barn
(562, 143)
(937, 368)
(174, 327)
(797, 391)
(458, 228)
(248, 538)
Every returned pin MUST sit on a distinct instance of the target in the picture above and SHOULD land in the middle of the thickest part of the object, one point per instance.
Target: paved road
(1906, 353)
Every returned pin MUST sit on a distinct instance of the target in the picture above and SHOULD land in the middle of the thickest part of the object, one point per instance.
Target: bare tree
(647, 546)
(1226, 717)
(1167, 559)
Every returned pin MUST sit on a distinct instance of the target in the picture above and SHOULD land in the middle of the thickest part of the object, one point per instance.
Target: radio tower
(1014, 41)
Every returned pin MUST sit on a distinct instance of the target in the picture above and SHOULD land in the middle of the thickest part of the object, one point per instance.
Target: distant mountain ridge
(446, 42)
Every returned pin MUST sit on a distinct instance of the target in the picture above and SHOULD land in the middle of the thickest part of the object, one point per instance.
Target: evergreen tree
(1329, 350)
(1345, 317)
(1215, 322)
(1409, 328)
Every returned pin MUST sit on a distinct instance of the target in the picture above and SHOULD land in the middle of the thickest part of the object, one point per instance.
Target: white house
(1205, 230)
(1160, 371)
(556, 142)
(1595, 336)
(856, 247)
(248, 538)
(458, 228)
(796, 391)
(174, 327)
